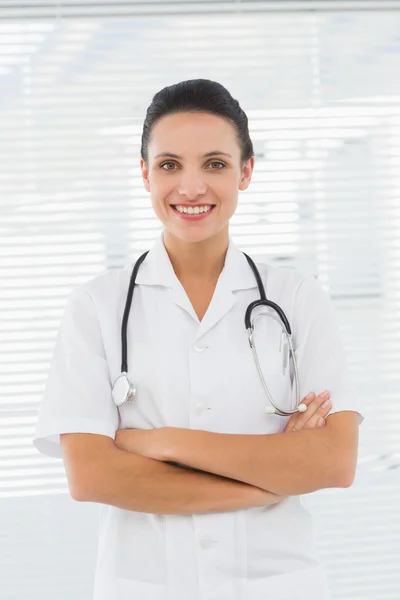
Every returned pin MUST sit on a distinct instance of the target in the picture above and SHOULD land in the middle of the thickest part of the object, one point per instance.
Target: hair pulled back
(198, 96)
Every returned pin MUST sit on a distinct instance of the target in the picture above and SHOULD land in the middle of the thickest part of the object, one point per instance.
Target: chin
(193, 236)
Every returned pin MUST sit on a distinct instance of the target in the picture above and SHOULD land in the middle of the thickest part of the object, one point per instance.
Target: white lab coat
(198, 375)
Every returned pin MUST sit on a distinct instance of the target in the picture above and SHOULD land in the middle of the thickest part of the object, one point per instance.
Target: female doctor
(202, 491)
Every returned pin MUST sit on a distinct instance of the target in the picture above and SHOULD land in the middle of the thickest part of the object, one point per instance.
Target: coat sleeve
(77, 396)
(319, 348)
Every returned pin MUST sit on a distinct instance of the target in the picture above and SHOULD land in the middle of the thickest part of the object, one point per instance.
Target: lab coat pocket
(303, 584)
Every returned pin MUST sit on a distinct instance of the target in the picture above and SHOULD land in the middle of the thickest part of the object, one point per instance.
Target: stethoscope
(123, 390)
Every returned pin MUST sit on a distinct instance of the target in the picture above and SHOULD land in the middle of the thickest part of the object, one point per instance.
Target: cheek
(160, 210)
(229, 187)
(159, 196)
(226, 194)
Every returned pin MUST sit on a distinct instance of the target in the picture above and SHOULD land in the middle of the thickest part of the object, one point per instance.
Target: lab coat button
(207, 542)
(199, 348)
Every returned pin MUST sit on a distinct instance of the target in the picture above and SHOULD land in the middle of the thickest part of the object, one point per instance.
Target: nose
(191, 184)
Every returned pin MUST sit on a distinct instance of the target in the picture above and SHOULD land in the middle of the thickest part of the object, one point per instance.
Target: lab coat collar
(157, 268)
(235, 275)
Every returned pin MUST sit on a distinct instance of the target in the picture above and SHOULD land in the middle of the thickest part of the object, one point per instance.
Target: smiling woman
(199, 401)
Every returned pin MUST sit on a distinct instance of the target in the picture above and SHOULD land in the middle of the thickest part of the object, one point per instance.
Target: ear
(145, 175)
(246, 174)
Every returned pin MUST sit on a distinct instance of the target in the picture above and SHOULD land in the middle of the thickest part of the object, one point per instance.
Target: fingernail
(325, 394)
(310, 396)
(325, 404)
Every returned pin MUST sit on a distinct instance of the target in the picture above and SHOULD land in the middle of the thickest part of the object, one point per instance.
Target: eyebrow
(171, 155)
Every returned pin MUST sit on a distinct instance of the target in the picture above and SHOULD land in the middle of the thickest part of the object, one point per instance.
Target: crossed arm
(288, 464)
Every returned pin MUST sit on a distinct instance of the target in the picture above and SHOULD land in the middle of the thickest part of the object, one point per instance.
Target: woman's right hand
(315, 415)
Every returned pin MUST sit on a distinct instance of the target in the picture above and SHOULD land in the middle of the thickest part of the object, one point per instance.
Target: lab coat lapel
(179, 297)
(157, 269)
(235, 275)
(222, 301)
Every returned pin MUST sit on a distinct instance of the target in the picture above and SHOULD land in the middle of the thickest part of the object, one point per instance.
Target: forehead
(194, 133)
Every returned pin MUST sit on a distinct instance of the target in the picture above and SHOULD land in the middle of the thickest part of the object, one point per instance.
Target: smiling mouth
(181, 212)
(193, 216)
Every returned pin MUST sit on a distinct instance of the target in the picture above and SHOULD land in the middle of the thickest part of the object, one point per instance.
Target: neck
(197, 261)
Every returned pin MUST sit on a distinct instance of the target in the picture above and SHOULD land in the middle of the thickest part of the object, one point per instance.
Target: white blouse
(198, 375)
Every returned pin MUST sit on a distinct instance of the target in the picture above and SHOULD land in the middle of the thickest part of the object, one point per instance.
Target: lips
(193, 216)
(174, 207)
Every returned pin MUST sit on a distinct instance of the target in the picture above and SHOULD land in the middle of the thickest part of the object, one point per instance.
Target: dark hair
(198, 96)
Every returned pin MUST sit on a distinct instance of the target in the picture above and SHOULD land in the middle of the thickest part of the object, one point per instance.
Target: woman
(202, 491)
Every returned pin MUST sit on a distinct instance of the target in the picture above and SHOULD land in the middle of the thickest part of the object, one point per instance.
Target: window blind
(319, 86)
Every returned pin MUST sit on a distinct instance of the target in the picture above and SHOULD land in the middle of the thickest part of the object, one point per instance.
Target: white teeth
(190, 210)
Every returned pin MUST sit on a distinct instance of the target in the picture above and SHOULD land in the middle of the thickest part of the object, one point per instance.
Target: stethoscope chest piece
(122, 390)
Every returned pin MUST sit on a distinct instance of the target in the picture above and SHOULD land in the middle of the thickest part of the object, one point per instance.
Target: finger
(292, 423)
(322, 413)
(318, 419)
(315, 422)
(308, 399)
(314, 407)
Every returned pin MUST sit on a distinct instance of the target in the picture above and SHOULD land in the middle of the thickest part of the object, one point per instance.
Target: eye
(167, 163)
(217, 162)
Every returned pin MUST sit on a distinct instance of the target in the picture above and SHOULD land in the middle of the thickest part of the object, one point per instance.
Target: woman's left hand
(152, 443)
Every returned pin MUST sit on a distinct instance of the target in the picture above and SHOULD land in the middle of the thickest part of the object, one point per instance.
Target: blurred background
(320, 84)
